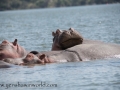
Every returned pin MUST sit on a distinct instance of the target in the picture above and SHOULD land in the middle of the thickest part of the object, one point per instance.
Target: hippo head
(33, 59)
(63, 39)
(11, 50)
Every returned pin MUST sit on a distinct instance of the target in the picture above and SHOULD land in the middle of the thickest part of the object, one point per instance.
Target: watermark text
(20, 85)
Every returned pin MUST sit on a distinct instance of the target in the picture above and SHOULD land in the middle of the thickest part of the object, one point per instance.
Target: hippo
(35, 57)
(63, 39)
(84, 50)
(11, 50)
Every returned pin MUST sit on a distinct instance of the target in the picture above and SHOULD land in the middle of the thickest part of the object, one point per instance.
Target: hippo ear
(41, 59)
(42, 56)
(71, 28)
(58, 31)
(15, 42)
(53, 34)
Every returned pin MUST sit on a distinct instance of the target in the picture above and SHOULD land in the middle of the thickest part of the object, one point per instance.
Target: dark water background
(33, 30)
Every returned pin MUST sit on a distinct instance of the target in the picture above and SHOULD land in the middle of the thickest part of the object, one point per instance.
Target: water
(33, 30)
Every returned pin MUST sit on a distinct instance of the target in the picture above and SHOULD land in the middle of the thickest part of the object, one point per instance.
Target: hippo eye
(53, 39)
(28, 55)
(1, 56)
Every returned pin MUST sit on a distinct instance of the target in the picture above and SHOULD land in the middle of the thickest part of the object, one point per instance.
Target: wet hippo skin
(82, 52)
(63, 39)
(85, 50)
(10, 52)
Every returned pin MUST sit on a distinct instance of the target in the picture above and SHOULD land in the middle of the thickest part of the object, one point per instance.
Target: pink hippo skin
(11, 51)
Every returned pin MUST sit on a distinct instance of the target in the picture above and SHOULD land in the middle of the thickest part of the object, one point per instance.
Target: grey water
(33, 29)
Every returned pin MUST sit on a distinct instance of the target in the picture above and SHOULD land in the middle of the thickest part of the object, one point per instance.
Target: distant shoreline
(54, 7)
(37, 4)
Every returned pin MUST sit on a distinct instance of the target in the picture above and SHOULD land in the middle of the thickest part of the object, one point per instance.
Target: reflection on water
(33, 30)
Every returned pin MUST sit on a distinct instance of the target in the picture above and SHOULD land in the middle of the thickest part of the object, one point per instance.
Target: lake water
(33, 30)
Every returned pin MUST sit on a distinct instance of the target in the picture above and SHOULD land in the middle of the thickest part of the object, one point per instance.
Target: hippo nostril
(66, 32)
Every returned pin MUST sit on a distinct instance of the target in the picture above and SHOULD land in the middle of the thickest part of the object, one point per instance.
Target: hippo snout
(28, 62)
(31, 59)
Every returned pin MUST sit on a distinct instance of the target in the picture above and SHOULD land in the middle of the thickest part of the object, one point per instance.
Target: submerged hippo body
(10, 52)
(85, 52)
(95, 51)
(82, 52)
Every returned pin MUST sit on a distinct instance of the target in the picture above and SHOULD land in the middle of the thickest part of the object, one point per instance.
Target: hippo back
(88, 41)
(95, 51)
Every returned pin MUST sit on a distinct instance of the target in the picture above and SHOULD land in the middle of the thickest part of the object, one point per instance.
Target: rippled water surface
(33, 30)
